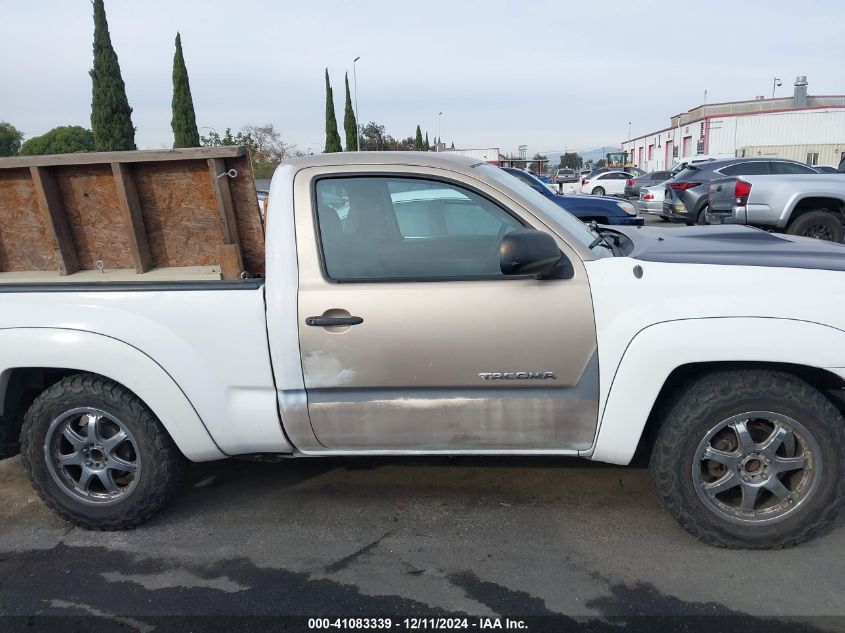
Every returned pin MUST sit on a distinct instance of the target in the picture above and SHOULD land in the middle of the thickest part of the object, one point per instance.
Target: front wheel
(751, 459)
(97, 455)
(598, 191)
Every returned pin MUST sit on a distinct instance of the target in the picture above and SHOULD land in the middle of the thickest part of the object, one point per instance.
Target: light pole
(775, 83)
(439, 140)
(357, 118)
(629, 144)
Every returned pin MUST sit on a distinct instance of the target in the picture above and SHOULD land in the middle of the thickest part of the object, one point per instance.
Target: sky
(549, 75)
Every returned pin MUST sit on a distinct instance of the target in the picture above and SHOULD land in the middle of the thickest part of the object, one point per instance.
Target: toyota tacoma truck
(812, 205)
(423, 304)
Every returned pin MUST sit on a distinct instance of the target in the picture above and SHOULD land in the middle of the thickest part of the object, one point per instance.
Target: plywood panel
(250, 229)
(180, 213)
(94, 216)
(25, 239)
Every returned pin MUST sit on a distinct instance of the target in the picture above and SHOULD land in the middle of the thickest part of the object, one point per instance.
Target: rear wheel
(702, 216)
(752, 459)
(97, 455)
(821, 224)
(598, 191)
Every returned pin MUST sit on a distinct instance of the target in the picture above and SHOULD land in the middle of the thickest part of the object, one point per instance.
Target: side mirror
(528, 252)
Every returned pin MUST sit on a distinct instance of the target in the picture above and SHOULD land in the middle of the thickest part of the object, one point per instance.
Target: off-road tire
(164, 465)
(831, 221)
(697, 406)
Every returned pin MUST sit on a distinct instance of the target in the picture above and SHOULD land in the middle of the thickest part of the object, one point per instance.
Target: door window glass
(782, 167)
(751, 168)
(407, 228)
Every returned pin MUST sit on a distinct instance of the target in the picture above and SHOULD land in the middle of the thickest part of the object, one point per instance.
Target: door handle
(324, 321)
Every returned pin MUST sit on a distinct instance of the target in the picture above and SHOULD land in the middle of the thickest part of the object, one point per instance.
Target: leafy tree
(184, 121)
(60, 140)
(241, 138)
(111, 116)
(350, 126)
(418, 140)
(269, 149)
(571, 160)
(453, 145)
(426, 145)
(10, 139)
(374, 137)
(601, 163)
(332, 136)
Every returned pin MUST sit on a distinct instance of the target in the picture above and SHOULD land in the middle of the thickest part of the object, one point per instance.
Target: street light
(439, 140)
(357, 118)
(775, 83)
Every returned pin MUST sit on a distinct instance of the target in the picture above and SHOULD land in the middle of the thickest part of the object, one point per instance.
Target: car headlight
(627, 207)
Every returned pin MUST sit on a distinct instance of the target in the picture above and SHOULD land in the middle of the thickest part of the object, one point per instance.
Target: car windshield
(567, 221)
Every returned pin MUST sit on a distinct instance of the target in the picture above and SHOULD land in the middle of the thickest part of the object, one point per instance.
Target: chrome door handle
(324, 321)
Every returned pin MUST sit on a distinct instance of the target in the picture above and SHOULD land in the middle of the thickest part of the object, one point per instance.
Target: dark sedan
(685, 198)
(601, 209)
(632, 187)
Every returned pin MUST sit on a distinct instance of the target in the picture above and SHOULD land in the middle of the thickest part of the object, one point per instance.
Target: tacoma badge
(518, 375)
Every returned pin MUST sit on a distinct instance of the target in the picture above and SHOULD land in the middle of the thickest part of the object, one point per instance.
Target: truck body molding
(89, 352)
(654, 354)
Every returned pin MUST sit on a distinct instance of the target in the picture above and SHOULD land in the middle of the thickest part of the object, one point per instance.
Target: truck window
(408, 228)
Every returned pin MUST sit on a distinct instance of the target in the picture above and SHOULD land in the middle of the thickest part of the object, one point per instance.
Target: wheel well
(828, 384)
(19, 387)
(819, 203)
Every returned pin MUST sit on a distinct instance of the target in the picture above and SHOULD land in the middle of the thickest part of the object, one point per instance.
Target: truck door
(411, 337)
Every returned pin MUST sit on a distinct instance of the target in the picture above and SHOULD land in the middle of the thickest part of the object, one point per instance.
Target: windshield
(566, 220)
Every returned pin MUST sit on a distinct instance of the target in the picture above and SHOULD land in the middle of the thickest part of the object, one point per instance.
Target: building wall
(827, 154)
(804, 129)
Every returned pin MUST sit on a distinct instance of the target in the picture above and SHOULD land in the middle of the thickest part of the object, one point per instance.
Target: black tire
(597, 191)
(702, 216)
(686, 419)
(822, 224)
(163, 464)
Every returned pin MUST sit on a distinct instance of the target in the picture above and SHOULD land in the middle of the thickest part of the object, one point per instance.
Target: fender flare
(121, 362)
(657, 350)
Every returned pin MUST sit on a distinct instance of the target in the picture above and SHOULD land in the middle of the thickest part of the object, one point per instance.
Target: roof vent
(799, 99)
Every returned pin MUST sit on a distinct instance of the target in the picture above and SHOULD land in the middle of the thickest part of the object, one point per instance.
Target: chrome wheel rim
(757, 468)
(92, 456)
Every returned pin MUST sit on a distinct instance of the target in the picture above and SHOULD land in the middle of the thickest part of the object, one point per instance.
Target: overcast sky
(551, 75)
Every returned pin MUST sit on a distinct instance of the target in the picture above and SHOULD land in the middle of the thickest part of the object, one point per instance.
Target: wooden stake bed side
(148, 214)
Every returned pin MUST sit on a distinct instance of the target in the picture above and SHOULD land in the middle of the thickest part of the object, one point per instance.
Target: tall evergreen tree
(184, 121)
(332, 136)
(426, 145)
(111, 116)
(418, 140)
(350, 126)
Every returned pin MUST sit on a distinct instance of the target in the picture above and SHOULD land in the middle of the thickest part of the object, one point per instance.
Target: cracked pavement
(503, 536)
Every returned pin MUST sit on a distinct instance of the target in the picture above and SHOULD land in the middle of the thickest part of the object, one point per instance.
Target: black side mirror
(528, 252)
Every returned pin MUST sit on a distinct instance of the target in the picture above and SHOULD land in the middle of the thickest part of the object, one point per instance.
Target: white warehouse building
(805, 128)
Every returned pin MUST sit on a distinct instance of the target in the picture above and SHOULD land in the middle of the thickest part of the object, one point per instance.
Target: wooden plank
(134, 219)
(231, 264)
(183, 273)
(220, 186)
(50, 203)
(136, 156)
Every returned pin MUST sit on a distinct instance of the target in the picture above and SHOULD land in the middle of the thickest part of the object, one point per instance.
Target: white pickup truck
(421, 304)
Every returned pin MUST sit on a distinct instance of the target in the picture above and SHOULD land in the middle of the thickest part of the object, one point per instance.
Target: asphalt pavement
(506, 536)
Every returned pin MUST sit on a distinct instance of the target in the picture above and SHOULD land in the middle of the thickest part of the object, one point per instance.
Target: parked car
(606, 183)
(685, 196)
(800, 204)
(826, 169)
(650, 201)
(633, 186)
(565, 174)
(634, 171)
(599, 209)
(681, 163)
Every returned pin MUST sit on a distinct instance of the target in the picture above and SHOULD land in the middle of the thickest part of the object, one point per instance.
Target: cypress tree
(332, 136)
(184, 121)
(418, 140)
(427, 146)
(350, 126)
(111, 116)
